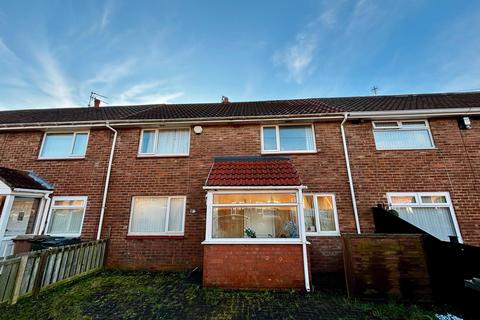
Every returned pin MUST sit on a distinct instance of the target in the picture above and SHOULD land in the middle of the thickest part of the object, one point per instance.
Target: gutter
(349, 173)
(107, 180)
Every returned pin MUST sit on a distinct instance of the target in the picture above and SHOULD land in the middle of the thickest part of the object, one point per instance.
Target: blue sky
(53, 53)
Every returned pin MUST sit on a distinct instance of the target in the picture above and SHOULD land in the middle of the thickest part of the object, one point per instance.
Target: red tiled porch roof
(253, 171)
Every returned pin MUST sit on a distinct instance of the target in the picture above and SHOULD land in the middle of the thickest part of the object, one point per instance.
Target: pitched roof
(23, 179)
(165, 112)
(253, 171)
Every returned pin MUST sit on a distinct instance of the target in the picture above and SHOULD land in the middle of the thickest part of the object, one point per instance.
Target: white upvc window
(64, 145)
(430, 211)
(288, 139)
(247, 216)
(164, 142)
(154, 216)
(402, 135)
(320, 213)
(66, 216)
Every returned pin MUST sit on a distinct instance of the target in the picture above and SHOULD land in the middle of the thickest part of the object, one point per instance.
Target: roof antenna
(375, 90)
(94, 97)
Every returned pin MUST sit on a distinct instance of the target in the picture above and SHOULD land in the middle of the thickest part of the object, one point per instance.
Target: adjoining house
(257, 194)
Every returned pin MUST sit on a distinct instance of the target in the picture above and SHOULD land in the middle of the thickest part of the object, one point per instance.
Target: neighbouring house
(256, 194)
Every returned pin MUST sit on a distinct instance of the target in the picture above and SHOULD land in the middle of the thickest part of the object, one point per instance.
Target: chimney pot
(96, 103)
(225, 99)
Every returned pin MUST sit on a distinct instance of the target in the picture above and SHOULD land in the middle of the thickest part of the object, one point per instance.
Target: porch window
(288, 139)
(66, 216)
(64, 145)
(23, 216)
(165, 142)
(157, 216)
(320, 214)
(254, 215)
(402, 135)
(431, 212)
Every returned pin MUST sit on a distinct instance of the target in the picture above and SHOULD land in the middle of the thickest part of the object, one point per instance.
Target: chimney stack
(225, 99)
(96, 103)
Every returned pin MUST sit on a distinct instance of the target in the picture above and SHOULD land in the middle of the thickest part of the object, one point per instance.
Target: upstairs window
(64, 145)
(165, 142)
(431, 212)
(402, 135)
(288, 139)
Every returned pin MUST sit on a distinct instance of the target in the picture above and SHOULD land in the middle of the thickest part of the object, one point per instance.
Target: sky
(54, 53)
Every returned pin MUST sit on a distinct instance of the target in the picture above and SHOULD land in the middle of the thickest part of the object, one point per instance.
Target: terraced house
(256, 194)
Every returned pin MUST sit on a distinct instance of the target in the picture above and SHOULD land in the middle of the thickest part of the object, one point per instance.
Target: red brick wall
(387, 265)
(453, 166)
(253, 266)
(79, 177)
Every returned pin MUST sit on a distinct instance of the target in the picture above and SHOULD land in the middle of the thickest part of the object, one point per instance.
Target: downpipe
(107, 180)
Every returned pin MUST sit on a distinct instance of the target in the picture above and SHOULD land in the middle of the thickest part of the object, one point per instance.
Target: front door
(22, 219)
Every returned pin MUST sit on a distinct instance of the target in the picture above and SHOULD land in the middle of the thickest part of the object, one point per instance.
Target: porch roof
(18, 179)
(253, 171)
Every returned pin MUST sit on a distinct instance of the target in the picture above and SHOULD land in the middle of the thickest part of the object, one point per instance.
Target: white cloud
(51, 80)
(297, 58)
(328, 18)
(146, 93)
(106, 15)
(111, 73)
(6, 54)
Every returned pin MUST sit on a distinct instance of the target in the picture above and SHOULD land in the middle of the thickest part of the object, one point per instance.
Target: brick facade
(453, 166)
(253, 266)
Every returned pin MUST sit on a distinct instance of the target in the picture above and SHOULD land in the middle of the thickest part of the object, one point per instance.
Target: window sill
(290, 152)
(253, 241)
(326, 234)
(412, 149)
(140, 237)
(66, 158)
(162, 156)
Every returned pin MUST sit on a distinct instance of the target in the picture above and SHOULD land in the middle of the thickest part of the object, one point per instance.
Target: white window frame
(419, 204)
(209, 223)
(277, 133)
(400, 127)
(40, 157)
(53, 206)
(317, 215)
(167, 215)
(154, 154)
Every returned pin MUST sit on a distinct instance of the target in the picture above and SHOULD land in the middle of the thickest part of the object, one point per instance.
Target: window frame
(167, 215)
(400, 127)
(53, 206)
(209, 219)
(154, 154)
(277, 133)
(317, 215)
(40, 157)
(419, 204)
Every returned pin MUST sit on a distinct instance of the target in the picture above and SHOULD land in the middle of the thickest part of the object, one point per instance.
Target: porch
(255, 230)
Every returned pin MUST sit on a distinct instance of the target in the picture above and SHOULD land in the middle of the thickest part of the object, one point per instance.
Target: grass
(148, 295)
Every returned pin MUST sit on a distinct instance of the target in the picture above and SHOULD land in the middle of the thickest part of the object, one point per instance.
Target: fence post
(37, 285)
(19, 278)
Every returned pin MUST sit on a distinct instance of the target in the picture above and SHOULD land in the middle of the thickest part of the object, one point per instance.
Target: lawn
(148, 295)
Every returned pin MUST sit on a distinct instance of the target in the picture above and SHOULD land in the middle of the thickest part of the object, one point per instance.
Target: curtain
(173, 141)
(66, 221)
(309, 138)
(436, 221)
(148, 139)
(269, 138)
(325, 212)
(149, 215)
(175, 217)
(402, 139)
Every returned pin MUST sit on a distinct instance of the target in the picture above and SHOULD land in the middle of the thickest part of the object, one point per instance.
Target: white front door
(20, 216)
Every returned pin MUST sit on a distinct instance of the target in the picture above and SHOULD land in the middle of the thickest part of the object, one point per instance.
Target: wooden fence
(29, 272)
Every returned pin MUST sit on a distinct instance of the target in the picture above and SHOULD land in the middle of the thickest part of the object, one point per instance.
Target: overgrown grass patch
(149, 295)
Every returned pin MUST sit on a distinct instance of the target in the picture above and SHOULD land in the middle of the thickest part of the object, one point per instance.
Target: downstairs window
(431, 212)
(66, 216)
(254, 215)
